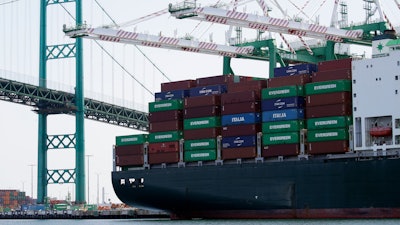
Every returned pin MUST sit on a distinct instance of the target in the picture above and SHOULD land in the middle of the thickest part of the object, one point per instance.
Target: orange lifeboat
(380, 131)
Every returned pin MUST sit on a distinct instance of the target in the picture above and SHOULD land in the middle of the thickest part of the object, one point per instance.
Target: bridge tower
(68, 141)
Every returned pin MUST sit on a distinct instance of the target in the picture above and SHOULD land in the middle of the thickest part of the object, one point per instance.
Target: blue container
(207, 90)
(242, 118)
(295, 70)
(282, 103)
(285, 114)
(168, 95)
(240, 141)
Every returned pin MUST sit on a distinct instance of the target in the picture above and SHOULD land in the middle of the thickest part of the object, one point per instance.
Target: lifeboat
(380, 131)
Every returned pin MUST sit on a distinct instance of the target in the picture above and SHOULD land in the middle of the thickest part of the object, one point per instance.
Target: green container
(329, 122)
(282, 126)
(327, 135)
(166, 105)
(202, 122)
(282, 92)
(200, 155)
(191, 145)
(328, 87)
(136, 139)
(281, 138)
(165, 136)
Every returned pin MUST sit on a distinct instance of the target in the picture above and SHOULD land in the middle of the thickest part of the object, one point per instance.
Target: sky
(106, 80)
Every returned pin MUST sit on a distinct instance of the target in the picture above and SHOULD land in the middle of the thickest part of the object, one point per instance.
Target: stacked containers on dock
(13, 199)
(329, 108)
(130, 150)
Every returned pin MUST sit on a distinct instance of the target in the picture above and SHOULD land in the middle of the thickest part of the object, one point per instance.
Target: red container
(202, 101)
(301, 79)
(166, 126)
(214, 80)
(334, 65)
(201, 133)
(238, 153)
(244, 96)
(245, 85)
(129, 150)
(178, 85)
(329, 99)
(172, 146)
(327, 147)
(280, 150)
(165, 116)
(129, 160)
(241, 130)
(166, 157)
(341, 74)
(329, 110)
(203, 111)
(242, 107)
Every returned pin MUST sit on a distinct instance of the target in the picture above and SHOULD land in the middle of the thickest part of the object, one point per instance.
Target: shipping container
(172, 146)
(283, 126)
(239, 141)
(207, 100)
(241, 107)
(289, 80)
(165, 136)
(239, 153)
(280, 150)
(166, 126)
(202, 111)
(131, 139)
(295, 70)
(242, 86)
(343, 97)
(178, 85)
(328, 110)
(129, 150)
(207, 90)
(282, 92)
(241, 130)
(329, 122)
(217, 80)
(165, 116)
(202, 133)
(340, 74)
(165, 105)
(281, 138)
(129, 160)
(328, 135)
(243, 96)
(200, 144)
(200, 155)
(166, 157)
(168, 95)
(282, 103)
(202, 122)
(238, 119)
(334, 65)
(281, 115)
(328, 147)
(327, 87)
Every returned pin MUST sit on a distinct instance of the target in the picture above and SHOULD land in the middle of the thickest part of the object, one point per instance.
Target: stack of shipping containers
(129, 150)
(329, 108)
(13, 199)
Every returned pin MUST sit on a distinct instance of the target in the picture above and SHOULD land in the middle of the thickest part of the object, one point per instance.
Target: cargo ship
(314, 141)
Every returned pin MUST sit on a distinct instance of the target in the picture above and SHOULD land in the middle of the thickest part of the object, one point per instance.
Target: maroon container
(198, 101)
(341, 74)
(172, 146)
(301, 79)
(203, 111)
(165, 157)
(329, 99)
(242, 107)
(245, 85)
(129, 150)
(329, 110)
(129, 160)
(201, 133)
(241, 130)
(214, 80)
(328, 147)
(178, 85)
(239, 153)
(280, 150)
(243, 96)
(334, 65)
(166, 126)
(165, 116)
